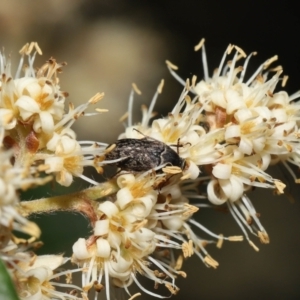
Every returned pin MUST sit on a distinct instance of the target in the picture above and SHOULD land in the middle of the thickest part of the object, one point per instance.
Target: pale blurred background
(110, 44)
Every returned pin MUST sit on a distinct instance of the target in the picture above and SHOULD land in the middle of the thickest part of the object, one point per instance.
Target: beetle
(143, 154)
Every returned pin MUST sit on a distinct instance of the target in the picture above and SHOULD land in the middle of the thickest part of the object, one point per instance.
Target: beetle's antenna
(139, 132)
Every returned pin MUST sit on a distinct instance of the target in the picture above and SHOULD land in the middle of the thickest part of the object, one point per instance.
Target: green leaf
(7, 288)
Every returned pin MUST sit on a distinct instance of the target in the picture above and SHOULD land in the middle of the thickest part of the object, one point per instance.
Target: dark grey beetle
(143, 155)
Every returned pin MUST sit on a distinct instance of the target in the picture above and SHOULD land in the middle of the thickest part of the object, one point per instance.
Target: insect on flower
(143, 154)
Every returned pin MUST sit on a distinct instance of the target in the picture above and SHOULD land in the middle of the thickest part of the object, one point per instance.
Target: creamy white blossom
(234, 126)
(34, 123)
(37, 279)
(35, 98)
(227, 128)
(124, 237)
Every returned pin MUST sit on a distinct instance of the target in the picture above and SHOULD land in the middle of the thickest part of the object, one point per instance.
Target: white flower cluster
(31, 274)
(35, 137)
(230, 127)
(34, 123)
(234, 128)
(129, 230)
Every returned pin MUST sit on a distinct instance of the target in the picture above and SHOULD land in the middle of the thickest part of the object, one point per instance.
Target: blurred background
(108, 45)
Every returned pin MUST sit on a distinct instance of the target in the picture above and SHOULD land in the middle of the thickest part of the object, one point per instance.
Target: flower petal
(215, 193)
(47, 122)
(80, 250)
(222, 171)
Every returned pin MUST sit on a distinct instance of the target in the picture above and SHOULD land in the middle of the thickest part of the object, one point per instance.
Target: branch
(82, 202)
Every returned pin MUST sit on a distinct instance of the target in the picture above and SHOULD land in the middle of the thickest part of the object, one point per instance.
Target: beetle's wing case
(143, 154)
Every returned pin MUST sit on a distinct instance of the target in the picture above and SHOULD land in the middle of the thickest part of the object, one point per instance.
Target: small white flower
(232, 128)
(127, 233)
(35, 103)
(15, 177)
(38, 280)
(34, 98)
(66, 161)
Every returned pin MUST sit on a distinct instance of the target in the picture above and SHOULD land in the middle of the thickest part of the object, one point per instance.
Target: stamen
(204, 62)
(106, 281)
(130, 103)
(230, 76)
(145, 290)
(263, 66)
(220, 68)
(284, 80)
(87, 179)
(245, 66)
(199, 45)
(161, 267)
(170, 65)
(135, 296)
(238, 238)
(235, 215)
(152, 104)
(171, 68)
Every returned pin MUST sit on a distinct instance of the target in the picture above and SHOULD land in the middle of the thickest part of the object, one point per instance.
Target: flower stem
(82, 202)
